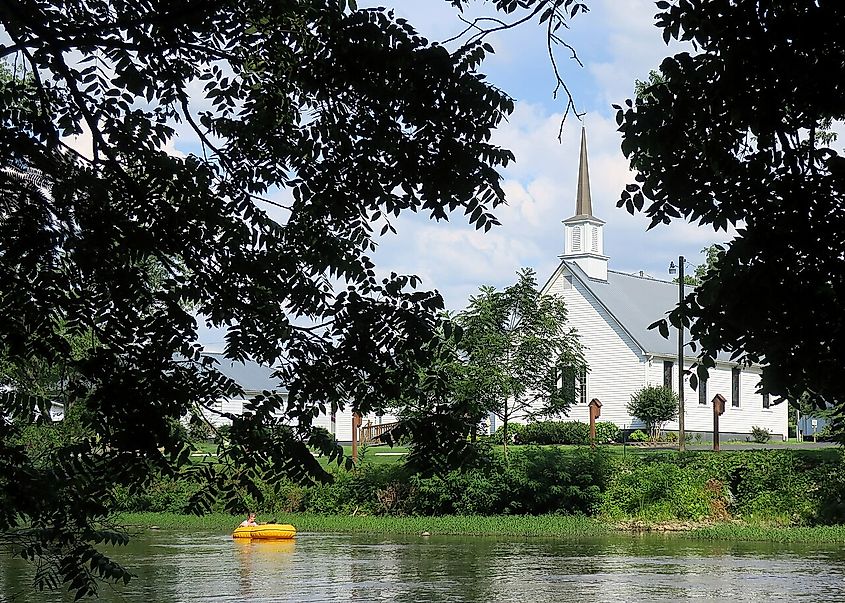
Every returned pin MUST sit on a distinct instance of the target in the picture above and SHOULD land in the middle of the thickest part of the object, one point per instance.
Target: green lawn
(385, 455)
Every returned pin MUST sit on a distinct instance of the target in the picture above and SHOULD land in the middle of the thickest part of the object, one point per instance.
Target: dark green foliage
(760, 435)
(654, 405)
(736, 132)
(336, 121)
(555, 432)
(777, 487)
(164, 495)
(536, 481)
(770, 485)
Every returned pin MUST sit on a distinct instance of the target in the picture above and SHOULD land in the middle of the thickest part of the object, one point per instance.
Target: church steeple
(584, 236)
(583, 201)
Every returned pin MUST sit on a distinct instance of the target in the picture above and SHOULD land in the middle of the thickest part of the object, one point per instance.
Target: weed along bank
(612, 311)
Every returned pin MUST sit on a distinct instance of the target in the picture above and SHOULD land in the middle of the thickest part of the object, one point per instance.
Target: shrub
(760, 435)
(555, 432)
(514, 430)
(638, 436)
(658, 491)
(223, 434)
(164, 495)
(654, 405)
(606, 432)
(199, 430)
(537, 481)
(672, 437)
(557, 480)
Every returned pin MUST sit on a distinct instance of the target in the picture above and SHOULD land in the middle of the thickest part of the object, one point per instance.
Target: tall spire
(583, 202)
(583, 233)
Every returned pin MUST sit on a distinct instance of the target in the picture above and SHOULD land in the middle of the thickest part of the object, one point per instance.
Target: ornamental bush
(760, 435)
(654, 405)
(607, 432)
(638, 436)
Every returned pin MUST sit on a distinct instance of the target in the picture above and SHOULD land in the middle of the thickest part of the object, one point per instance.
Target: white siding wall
(616, 365)
(750, 413)
(618, 369)
(342, 426)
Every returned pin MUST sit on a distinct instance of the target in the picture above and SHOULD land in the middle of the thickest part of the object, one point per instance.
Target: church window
(595, 239)
(735, 386)
(766, 401)
(581, 386)
(576, 238)
(702, 391)
(667, 373)
(573, 382)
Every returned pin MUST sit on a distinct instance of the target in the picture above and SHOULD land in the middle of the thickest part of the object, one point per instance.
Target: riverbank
(515, 525)
(548, 526)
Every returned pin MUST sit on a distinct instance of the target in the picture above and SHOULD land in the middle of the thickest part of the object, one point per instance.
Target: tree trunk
(505, 439)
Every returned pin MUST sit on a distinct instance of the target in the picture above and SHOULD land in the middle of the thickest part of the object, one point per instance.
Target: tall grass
(542, 525)
(553, 526)
(748, 532)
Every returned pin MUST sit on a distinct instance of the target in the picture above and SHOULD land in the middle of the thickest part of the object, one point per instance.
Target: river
(341, 567)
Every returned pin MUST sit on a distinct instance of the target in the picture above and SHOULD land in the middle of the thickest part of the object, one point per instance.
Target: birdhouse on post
(595, 413)
(718, 408)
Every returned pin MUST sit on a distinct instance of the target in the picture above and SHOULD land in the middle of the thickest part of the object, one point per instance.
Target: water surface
(333, 567)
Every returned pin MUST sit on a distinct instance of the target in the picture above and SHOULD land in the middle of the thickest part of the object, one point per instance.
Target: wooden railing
(372, 435)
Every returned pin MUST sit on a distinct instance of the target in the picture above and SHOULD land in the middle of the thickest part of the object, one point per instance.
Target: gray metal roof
(250, 375)
(636, 302)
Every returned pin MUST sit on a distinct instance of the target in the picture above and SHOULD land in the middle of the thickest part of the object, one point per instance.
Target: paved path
(810, 445)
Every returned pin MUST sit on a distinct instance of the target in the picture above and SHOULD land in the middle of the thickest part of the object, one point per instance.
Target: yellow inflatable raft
(267, 531)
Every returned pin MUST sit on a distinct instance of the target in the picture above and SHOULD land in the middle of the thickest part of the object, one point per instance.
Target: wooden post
(595, 413)
(718, 408)
(681, 413)
(356, 424)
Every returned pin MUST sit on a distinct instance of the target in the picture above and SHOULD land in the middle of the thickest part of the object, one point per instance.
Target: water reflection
(259, 562)
(204, 567)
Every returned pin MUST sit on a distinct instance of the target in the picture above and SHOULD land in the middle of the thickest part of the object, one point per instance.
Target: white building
(611, 312)
(255, 378)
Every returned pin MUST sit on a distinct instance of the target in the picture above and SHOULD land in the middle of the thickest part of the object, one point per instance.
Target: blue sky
(617, 44)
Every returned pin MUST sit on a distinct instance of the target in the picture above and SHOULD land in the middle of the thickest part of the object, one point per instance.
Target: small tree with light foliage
(654, 405)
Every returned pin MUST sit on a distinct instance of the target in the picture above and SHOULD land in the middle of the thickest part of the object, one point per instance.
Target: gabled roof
(251, 376)
(635, 302)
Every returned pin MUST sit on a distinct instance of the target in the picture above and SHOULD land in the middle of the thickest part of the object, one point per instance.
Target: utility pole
(681, 443)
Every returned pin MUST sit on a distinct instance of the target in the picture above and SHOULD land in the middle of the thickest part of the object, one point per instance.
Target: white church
(612, 310)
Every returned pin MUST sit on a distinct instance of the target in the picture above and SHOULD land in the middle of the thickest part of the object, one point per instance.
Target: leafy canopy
(736, 134)
(515, 345)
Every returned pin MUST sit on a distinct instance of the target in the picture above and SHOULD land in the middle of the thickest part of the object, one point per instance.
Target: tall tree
(732, 136)
(517, 346)
(333, 119)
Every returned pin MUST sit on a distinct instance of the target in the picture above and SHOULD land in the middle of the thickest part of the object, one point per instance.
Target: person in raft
(249, 521)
